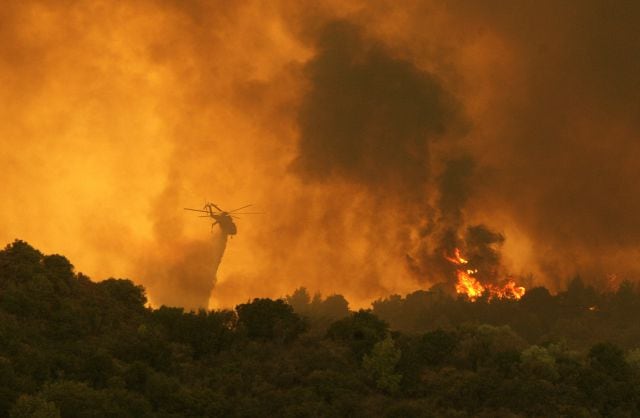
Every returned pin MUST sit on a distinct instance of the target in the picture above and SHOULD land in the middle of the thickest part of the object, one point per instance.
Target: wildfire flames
(468, 285)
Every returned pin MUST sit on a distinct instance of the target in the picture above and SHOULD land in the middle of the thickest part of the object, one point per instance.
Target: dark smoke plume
(368, 117)
(372, 119)
(562, 153)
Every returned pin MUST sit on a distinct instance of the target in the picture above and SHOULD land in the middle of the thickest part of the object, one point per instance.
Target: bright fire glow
(468, 285)
(457, 258)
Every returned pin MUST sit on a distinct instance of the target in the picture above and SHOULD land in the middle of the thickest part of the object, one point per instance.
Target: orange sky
(336, 119)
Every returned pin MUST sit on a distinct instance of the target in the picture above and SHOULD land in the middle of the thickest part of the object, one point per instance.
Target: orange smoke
(116, 115)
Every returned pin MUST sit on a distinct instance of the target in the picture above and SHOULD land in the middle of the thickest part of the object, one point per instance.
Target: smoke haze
(374, 135)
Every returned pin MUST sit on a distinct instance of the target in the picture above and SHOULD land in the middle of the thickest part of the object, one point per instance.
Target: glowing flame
(508, 291)
(470, 286)
(457, 258)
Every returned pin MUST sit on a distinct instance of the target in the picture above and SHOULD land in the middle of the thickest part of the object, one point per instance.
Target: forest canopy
(71, 347)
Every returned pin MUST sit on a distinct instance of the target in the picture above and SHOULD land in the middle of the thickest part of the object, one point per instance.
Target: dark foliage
(266, 319)
(360, 332)
(70, 347)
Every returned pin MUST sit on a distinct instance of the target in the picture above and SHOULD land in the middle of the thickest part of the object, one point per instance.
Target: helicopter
(222, 217)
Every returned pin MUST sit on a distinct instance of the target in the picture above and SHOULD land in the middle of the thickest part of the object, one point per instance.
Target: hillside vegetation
(71, 347)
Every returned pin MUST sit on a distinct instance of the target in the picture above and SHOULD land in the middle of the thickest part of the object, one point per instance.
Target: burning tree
(468, 284)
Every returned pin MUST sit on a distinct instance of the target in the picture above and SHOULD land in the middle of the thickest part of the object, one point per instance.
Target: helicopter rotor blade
(214, 205)
(249, 213)
(204, 211)
(231, 211)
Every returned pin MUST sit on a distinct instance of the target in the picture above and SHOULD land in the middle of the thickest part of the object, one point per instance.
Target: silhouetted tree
(333, 307)
(300, 301)
(381, 364)
(124, 292)
(266, 319)
(436, 347)
(360, 331)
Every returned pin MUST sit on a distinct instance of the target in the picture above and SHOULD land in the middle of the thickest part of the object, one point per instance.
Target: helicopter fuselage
(226, 223)
(222, 217)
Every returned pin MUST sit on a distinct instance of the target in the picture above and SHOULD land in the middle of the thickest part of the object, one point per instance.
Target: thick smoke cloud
(369, 117)
(373, 134)
(445, 231)
(562, 155)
